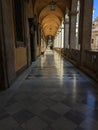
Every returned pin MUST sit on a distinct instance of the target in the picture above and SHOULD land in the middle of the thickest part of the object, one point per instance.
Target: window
(18, 17)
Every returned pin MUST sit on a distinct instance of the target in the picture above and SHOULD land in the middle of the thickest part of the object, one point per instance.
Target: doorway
(32, 38)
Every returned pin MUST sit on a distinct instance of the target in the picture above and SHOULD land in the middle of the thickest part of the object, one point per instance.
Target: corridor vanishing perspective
(48, 65)
(51, 95)
(32, 25)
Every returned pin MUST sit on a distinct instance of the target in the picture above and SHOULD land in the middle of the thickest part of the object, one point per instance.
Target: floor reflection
(53, 95)
(59, 63)
(74, 86)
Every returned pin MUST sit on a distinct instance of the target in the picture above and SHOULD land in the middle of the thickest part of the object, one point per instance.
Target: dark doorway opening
(32, 38)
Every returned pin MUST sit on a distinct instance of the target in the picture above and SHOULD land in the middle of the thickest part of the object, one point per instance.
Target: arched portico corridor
(51, 95)
(41, 44)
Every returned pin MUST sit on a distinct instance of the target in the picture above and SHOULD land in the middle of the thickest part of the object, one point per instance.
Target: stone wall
(14, 58)
(20, 58)
(1, 68)
(8, 40)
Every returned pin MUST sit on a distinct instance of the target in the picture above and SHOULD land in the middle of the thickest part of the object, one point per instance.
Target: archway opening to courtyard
(94, 36)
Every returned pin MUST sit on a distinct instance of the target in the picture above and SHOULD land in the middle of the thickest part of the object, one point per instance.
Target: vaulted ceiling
(50, 20)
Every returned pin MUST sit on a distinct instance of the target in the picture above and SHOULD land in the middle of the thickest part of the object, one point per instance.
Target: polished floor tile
(50, 95)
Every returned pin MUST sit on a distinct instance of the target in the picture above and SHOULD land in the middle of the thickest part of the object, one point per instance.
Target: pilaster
(66, 33)
(85, 25)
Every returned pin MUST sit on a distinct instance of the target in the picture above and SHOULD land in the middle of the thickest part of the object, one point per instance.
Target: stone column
(6, 42)
(66, 33)
(85, 27)
(58, 40)
(3, 68)
(55, 44)
(3, 75)
(73, 17)
(62, 37)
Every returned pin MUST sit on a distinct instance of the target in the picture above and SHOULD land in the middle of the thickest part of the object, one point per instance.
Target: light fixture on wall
(52, 5)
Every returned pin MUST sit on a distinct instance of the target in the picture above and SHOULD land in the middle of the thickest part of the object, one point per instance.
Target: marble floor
(50, 95)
